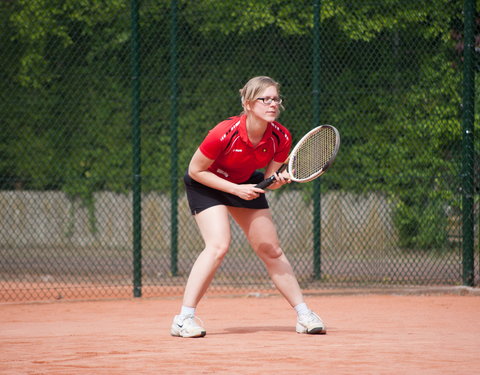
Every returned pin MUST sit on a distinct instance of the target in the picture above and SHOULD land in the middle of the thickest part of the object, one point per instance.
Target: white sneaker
(186, 326)
(310, 323)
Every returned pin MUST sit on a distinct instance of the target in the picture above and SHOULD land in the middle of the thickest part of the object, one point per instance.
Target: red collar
(243, 132)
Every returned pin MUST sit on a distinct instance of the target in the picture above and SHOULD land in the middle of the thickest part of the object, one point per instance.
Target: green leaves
(246, 16)
(39, 22)
(390, 78)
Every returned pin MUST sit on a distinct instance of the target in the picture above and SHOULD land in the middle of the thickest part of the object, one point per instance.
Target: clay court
(394, 332)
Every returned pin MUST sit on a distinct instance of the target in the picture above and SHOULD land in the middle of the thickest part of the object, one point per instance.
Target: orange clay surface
(367, 334)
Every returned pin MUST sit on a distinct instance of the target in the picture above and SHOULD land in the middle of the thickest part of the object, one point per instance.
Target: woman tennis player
(220, 182)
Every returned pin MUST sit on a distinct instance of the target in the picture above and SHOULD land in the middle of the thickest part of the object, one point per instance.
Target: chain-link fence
(104, 103)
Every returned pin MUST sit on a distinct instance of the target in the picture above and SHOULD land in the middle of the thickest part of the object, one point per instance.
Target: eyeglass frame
(277, 101)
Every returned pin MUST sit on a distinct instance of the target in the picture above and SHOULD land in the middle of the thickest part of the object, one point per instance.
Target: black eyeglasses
(269, 101)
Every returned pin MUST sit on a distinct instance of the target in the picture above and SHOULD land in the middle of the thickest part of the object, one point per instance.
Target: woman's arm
(282, 178)
(198, 170)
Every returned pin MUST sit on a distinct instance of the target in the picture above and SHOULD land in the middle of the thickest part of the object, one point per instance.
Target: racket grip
(267, 182)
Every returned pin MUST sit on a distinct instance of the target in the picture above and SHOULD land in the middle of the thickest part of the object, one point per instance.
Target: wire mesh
(390, 81)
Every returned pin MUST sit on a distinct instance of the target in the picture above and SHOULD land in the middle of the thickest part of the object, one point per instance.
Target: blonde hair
(254, 87)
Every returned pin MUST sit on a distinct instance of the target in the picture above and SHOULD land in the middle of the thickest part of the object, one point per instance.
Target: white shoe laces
(192, 321)
(311, 317)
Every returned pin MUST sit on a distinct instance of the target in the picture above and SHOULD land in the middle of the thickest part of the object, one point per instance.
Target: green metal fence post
(317, 224)
(174, 142)
(136, 136)
(468, 142)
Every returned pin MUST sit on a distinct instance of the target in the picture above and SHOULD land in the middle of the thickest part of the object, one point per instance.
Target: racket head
(314, 153)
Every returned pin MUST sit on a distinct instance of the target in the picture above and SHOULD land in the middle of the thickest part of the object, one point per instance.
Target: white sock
(302, 308)
(186, 310)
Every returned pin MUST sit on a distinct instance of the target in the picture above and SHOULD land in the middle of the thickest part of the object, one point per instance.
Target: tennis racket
(311, 156)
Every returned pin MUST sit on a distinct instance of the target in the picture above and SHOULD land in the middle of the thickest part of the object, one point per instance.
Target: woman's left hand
(281, 179)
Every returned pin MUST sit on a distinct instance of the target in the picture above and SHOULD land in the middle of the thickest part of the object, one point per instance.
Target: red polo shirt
(235, 158)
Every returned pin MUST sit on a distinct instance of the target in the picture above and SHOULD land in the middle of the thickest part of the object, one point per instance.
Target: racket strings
(314, 154)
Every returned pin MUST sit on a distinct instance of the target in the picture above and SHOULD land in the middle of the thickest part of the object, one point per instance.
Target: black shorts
(201, 197)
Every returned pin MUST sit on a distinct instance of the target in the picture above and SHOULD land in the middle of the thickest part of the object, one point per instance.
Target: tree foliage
(391, 81)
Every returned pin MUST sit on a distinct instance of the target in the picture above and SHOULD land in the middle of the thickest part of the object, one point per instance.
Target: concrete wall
(50, 219)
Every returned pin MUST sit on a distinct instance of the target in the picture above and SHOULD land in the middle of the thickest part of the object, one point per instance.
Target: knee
(269, 251)
(218, 249)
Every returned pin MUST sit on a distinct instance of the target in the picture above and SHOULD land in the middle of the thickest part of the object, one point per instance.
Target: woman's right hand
(248, 191)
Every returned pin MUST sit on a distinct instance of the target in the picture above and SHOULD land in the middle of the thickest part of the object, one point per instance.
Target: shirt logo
(221, 171)
(237, 150)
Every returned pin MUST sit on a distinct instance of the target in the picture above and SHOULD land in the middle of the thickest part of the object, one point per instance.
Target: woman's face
(265, 112)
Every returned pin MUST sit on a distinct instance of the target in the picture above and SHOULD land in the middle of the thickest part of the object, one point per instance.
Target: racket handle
(267, 182)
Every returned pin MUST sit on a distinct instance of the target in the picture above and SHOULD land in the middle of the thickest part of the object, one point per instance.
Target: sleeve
(215, 141)
(284, 147)
(211, 146)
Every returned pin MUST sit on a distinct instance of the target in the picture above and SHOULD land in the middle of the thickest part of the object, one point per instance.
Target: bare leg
(262, 235)
(214, 227)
